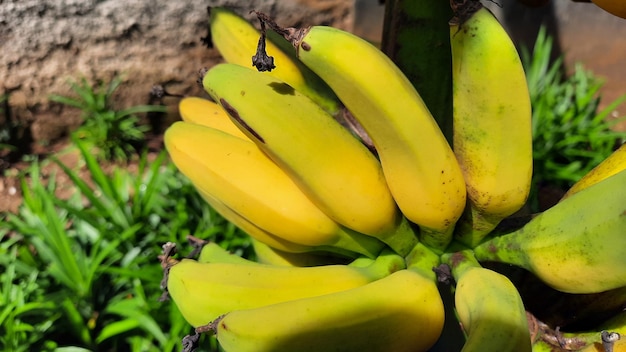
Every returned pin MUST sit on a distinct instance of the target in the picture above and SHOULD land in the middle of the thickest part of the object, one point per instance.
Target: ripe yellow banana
(401, 312)
(615, 163)
(615, 7)
(234, 176)
(338, 173)
(270, 239)
(204, 291)
(268, 255)
(236, 40)
(489, 307)
(207, 113)
(419, 165)
(577, 246)
(492, 136)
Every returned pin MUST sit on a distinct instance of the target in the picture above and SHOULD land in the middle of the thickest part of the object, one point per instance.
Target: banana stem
(416, 36)
(460, 262)
(423, 261)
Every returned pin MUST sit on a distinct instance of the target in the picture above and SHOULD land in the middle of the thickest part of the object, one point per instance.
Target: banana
(615, 163)
(400, 312)
(208, 113)
(492, 135)
(204, 291)
(489, 307)
(234, 176)
(614, 7)
(338, 173)
(211, 252)
(236, 40)
(268, 255)
(420, 167)
(577, 246)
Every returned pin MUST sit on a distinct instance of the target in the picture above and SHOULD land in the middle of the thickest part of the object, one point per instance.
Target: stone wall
(45, 43)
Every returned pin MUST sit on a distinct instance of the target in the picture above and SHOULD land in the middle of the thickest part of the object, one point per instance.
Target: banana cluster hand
(347, 235)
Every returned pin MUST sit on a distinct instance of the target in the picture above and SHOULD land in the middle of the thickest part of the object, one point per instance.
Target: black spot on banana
(235, 115)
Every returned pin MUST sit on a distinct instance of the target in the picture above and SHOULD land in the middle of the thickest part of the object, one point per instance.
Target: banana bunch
(351, 240)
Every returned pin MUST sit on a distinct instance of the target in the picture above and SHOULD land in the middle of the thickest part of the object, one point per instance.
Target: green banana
(419, 165)
(211, 252)
(236, 40)
(338, 173)
(400, 312)
(489, 307)
(204, 291)
(492, 135)
(615, 163)
(415, 37)
(237, 179)
(577, 246)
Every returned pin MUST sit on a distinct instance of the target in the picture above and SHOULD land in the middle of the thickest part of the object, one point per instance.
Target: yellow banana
(419, 165)
(207, 113)
(338, 173)
(615, 163)
(489, 307)
(268, 255)
(236, 40)
(577, 246)
(492, 135)
(234, 175)
(614, 7)
(400, 312)
(270, 239)
(204, 291)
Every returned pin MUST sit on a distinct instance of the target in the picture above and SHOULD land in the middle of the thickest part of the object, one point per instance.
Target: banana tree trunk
(416, 37)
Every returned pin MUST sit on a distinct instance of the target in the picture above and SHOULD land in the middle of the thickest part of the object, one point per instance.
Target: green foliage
(87, 266)
(116, 133)
(570, 136)
(8, 130)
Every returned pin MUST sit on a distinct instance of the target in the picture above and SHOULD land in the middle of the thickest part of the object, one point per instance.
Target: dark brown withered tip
(463, 10)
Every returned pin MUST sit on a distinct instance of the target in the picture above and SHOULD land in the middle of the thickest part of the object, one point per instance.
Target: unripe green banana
(268, 255)
(204, 291)
(236, 39)
(489, 307)
(208, 113)
(577, 246)
(338, 173)
(615, 163)
(401, 312)
(419, 165)
(211, 252)
(232, 174)
(492, 134)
